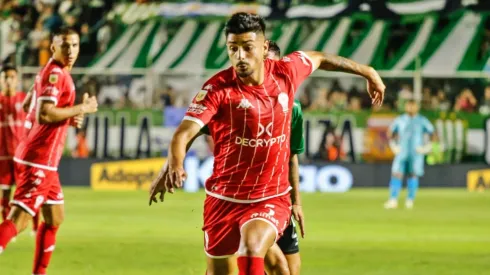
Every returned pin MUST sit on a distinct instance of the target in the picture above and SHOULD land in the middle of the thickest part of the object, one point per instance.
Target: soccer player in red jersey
(248, 111)
(38, 155)
(12, 118)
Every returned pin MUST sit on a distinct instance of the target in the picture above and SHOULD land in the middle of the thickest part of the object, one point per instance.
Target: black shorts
(289, 241)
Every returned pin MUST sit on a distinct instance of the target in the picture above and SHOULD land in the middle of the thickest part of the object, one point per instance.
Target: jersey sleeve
(52, 86)
(204, 106)
(428, 127)
(394, 127)
(297, 139)
(299, 67)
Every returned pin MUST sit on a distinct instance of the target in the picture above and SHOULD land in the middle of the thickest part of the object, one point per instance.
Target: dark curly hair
(243, 22)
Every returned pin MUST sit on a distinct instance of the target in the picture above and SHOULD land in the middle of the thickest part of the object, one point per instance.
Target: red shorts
(223, 221)
(7, 174)
(36, 187)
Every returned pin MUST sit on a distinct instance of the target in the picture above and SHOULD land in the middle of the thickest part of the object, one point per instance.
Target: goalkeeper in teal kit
(407, 137)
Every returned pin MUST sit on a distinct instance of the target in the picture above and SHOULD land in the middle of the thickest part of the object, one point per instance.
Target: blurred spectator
(331, 149)
(485, 103)
(426, 102)
(436, 156)
(355, 104)
(320, 103)
(81, 149)
(465, 102)
(403, 95)
(104, 36)
(51, 20)
(338, 100)
(443, 104)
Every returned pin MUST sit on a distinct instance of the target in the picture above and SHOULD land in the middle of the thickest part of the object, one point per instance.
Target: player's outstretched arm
(331, 62)
(27, 100)
(48, 112)
(297, 210)
(173, 174)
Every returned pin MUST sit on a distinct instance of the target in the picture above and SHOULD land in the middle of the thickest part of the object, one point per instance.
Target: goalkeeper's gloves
(395, 148)
(425, 149)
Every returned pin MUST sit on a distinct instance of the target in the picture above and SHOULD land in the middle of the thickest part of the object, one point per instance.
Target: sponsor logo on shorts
(196, 108)
(269, 215)
(39, 201)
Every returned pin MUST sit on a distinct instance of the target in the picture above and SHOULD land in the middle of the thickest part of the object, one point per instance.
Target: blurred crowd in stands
(31, 22)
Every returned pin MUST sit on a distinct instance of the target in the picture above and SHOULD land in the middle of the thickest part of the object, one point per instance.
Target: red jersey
(12, 118)
(43, 146)
(250, 126)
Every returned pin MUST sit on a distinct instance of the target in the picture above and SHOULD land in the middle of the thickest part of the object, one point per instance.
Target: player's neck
(8, 92)
(256, 78)
(65, 67)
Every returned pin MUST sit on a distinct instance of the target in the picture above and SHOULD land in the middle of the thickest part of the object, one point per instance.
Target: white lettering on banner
(260, 142)
(329, 178)
(196, 108)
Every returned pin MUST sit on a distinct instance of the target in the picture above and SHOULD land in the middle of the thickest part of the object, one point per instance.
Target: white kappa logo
(245, 104)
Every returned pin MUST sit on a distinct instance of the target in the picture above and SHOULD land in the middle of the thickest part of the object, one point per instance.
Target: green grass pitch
(447, 233)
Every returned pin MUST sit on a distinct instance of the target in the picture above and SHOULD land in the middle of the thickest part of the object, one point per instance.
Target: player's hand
(158, 186)
(78, 120)
(298, 215)
(423, 150)
(176, 176)
(89, 104)
(375, 87)
(395, 148)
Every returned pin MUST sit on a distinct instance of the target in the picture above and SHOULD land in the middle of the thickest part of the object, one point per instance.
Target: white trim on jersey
(309, 59)
(47, 98)
(221, 197)
(230, 140)
(5, 187)
(196, 120)
(265, 220)
(287, 146)
(23, 206)
(37, 165)
(50, 202)
(241, 147)
(6, 157)
(219, 257)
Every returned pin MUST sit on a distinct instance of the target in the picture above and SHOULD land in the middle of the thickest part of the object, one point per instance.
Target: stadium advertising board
(478, 180)
(313, 178)
(125, 175)
(127, 134)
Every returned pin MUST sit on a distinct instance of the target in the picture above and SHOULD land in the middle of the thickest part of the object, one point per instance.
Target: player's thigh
(263, 224)
(275, 261)
(294, 263)
(221, 266)
(417, 166)
(221, 231)
(19, 217)
(33, 188)
(54, 209)
(398, 167)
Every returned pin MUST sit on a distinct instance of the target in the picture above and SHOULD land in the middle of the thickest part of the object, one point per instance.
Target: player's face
(66, 48)
(273, 55)
(411, 108)
(8, 80)
(246, 52)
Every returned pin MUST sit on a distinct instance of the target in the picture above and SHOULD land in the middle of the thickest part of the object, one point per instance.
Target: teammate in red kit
(38, 155)
(248, 111)
(12, 118)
